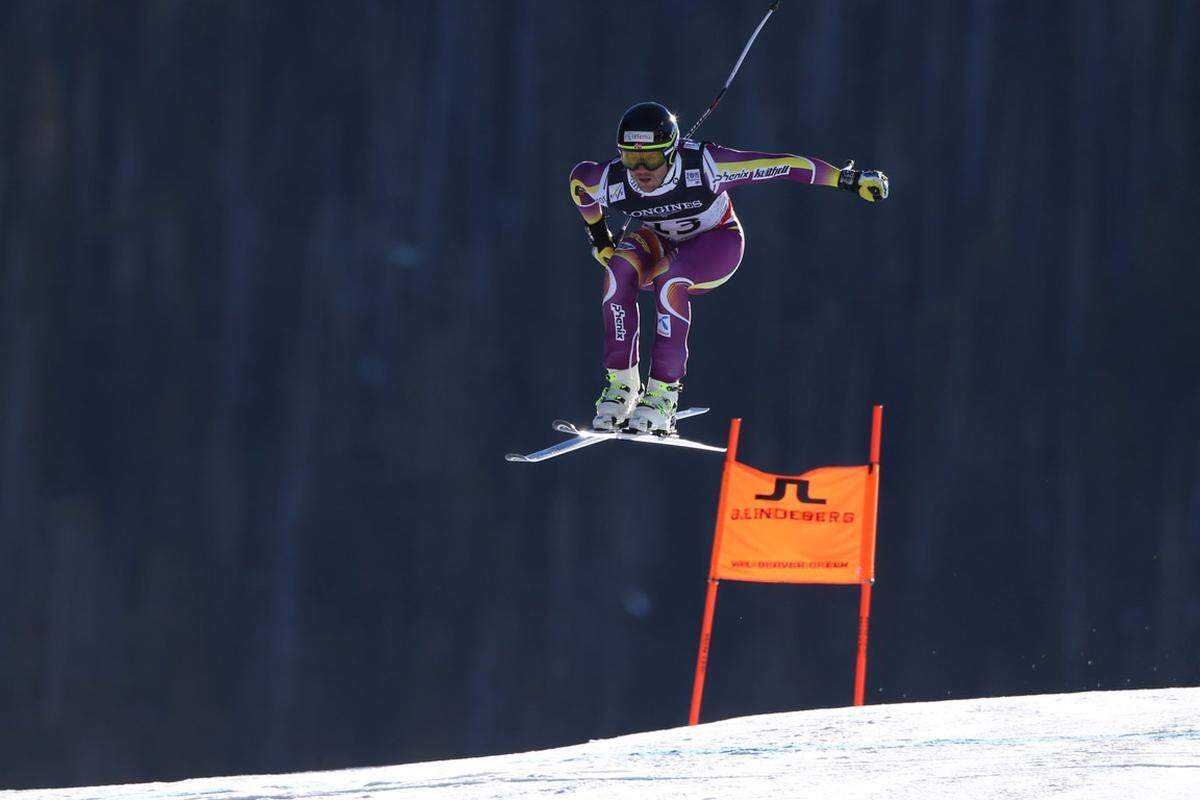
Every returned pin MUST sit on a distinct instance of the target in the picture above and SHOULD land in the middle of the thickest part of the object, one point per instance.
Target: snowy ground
(1090, 746)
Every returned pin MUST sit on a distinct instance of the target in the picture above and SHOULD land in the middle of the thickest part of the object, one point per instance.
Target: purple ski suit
(690, 241)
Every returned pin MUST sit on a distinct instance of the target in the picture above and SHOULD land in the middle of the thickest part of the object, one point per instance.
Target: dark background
(282, 282)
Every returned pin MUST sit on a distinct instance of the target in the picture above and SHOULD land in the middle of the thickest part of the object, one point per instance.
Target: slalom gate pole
(710, 604)
(868, 555)
(710, 601)
(860, 669)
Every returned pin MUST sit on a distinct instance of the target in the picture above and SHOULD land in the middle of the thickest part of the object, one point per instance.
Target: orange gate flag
(818, 527)
(812, 528)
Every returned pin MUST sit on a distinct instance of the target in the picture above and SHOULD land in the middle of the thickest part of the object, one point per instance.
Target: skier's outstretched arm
(729, 168)
(585, 188)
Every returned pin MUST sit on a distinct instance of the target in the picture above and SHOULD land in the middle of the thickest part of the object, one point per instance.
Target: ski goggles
(650, 159)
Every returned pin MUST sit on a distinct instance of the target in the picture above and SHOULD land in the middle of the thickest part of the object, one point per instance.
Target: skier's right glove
(602, 243)
(603, 254)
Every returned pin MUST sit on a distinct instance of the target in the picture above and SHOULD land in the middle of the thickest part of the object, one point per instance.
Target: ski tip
(517, 457)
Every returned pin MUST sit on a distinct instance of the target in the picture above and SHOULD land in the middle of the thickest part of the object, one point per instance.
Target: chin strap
(673, 167)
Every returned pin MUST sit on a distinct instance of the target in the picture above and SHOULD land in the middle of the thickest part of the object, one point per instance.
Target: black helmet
(648, 126)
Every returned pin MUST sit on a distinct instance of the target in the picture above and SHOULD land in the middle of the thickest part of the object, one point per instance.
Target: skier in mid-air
(690, 242)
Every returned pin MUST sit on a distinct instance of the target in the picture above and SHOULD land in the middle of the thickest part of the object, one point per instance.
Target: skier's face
(649, 179)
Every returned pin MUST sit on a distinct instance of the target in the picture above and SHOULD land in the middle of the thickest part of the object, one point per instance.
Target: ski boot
(655, 412)
(618, 399)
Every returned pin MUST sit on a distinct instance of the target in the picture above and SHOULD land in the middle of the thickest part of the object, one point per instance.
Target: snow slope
(1089, 746)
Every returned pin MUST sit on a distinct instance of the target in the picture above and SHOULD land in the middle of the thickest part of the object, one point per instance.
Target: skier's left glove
(871, 185)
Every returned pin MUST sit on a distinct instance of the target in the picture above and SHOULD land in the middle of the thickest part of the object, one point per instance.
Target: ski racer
(689, 243)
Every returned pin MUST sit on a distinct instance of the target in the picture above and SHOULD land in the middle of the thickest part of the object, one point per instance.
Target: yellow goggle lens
(650, 159)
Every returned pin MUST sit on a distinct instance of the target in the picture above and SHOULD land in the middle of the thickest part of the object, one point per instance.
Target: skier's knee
(625, 267)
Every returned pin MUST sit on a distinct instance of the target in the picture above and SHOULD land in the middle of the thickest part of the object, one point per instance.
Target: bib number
(674, 228)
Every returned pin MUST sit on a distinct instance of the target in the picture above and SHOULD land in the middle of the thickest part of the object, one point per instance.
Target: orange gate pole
(868, 555)
(710, 604)
(710, 601)
(860, 670)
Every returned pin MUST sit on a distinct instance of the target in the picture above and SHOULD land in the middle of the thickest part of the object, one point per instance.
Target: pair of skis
(586, 437)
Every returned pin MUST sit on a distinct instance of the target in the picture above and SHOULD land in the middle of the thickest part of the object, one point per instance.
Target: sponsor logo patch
(761, 174)
(690, 145)
(691, 177)
(616, 192)
(639, 136)
(664, 325)
(758, 174)
(781, 487)
(669, 208)
(619, 320)
(722, 177)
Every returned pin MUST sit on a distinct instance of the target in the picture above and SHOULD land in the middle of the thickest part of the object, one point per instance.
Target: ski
(585, 437)
(553, 450)
(673, 440)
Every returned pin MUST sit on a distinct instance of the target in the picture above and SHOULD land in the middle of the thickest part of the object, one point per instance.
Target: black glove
(601, 239)
(871, 185)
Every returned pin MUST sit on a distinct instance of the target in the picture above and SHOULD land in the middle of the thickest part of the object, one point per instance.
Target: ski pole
(720, 94)
(736, 67)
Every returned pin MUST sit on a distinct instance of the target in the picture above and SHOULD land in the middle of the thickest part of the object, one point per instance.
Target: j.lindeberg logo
(781, 485)
(616, 192)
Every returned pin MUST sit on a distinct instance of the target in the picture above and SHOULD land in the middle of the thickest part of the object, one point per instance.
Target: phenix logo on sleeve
(756, 174)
